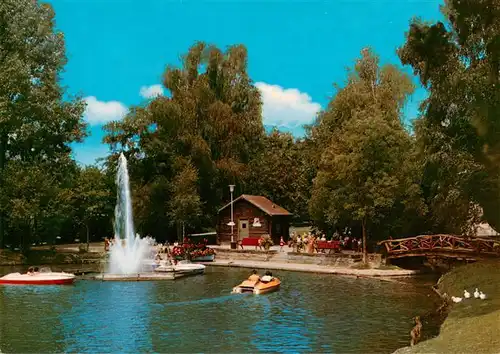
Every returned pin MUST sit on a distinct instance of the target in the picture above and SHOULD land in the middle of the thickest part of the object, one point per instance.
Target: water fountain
(129, 252)
(130, 256)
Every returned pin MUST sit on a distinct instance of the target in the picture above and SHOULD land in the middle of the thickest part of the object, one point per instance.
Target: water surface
(311, 313)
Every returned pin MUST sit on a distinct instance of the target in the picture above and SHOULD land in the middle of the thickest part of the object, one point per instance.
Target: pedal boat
(185, 268)
(42, 278)
(258, 287)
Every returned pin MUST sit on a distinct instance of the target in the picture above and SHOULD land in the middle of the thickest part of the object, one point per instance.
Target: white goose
(456, 299)
(466, 294)
(476, 294)
(482, 296)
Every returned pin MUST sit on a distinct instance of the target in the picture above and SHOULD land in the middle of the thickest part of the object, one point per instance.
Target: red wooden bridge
(446, 246)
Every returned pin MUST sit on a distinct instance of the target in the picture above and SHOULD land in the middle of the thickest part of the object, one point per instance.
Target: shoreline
(470, 325)
(313, 268)
(444, 308)
(346, 264)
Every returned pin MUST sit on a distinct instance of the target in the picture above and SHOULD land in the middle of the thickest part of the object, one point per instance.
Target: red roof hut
(253, 216)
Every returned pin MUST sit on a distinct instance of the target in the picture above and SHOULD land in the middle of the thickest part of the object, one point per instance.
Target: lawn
(473, 325)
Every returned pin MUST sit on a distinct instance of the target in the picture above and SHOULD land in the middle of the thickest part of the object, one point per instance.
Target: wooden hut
(253, 216)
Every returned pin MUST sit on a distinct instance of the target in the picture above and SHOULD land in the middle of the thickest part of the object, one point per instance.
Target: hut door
(243, 229)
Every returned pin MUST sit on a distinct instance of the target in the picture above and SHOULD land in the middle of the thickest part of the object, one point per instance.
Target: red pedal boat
(44, 277)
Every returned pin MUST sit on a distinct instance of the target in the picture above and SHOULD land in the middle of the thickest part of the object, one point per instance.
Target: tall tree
(211, 121)
(362, 174)
(92, 199)
(37, 121)
(185, 205)
(458, 62)
(283, 172)
(36, 200)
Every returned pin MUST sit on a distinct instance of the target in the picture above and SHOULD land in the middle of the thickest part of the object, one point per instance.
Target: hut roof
(262, 203)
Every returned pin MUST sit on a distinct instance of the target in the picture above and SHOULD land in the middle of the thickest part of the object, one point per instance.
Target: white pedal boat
(186, 268)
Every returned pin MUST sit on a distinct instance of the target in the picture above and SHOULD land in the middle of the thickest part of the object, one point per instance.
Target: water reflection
(279, 329)
(20, 335)
(311, 313)
(109, 317)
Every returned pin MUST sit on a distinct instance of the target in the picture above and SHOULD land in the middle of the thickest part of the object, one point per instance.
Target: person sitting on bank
(254, 276)
(267, 277)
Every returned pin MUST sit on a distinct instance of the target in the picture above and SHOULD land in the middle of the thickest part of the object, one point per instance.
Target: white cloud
(101, 112)
(151, 91)
(286, 107)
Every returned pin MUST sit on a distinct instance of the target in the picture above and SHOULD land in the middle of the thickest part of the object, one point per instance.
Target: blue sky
(297, 49)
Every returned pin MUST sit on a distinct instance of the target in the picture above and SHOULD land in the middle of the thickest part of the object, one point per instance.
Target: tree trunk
(88, 236)
(179, 231)
(365, 253)
(3, 148)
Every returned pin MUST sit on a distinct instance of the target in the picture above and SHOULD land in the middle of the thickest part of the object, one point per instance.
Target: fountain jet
(129, 252)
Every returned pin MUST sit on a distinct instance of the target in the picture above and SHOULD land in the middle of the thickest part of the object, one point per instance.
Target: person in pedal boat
(267, 278)
(254, 276)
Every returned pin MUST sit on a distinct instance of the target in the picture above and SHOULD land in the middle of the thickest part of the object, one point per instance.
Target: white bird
(456, 299)
(476, 294)
(466, 294)
(482, 296)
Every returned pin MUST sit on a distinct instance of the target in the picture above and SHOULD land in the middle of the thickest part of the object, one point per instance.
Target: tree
(185, 204)
(459, 62)
(37, 120)
(211, 120)
(362, 174)
(92, 198)
(36, 200)
(283, 172)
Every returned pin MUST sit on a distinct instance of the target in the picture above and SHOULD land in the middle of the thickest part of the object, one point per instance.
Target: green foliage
(365, 174)
(207, 131)
(283, 172)
(37, 122)
(30, 196)
(359, 167)
(459, 132)
(91, 198)
(185, 204)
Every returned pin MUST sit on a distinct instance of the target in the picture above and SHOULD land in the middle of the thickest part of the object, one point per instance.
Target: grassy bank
(472, 325)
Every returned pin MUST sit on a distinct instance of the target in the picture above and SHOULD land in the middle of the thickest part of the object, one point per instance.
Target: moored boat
(44, 277)
(181, 268)
(264, 285)
(207, 258)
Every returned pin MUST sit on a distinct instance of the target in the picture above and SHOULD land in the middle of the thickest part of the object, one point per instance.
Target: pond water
(311, 313)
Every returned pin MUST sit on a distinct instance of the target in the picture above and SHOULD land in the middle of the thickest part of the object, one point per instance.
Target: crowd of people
(309, 242)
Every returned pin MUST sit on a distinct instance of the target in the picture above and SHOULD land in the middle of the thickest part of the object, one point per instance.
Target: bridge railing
(441, 242)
